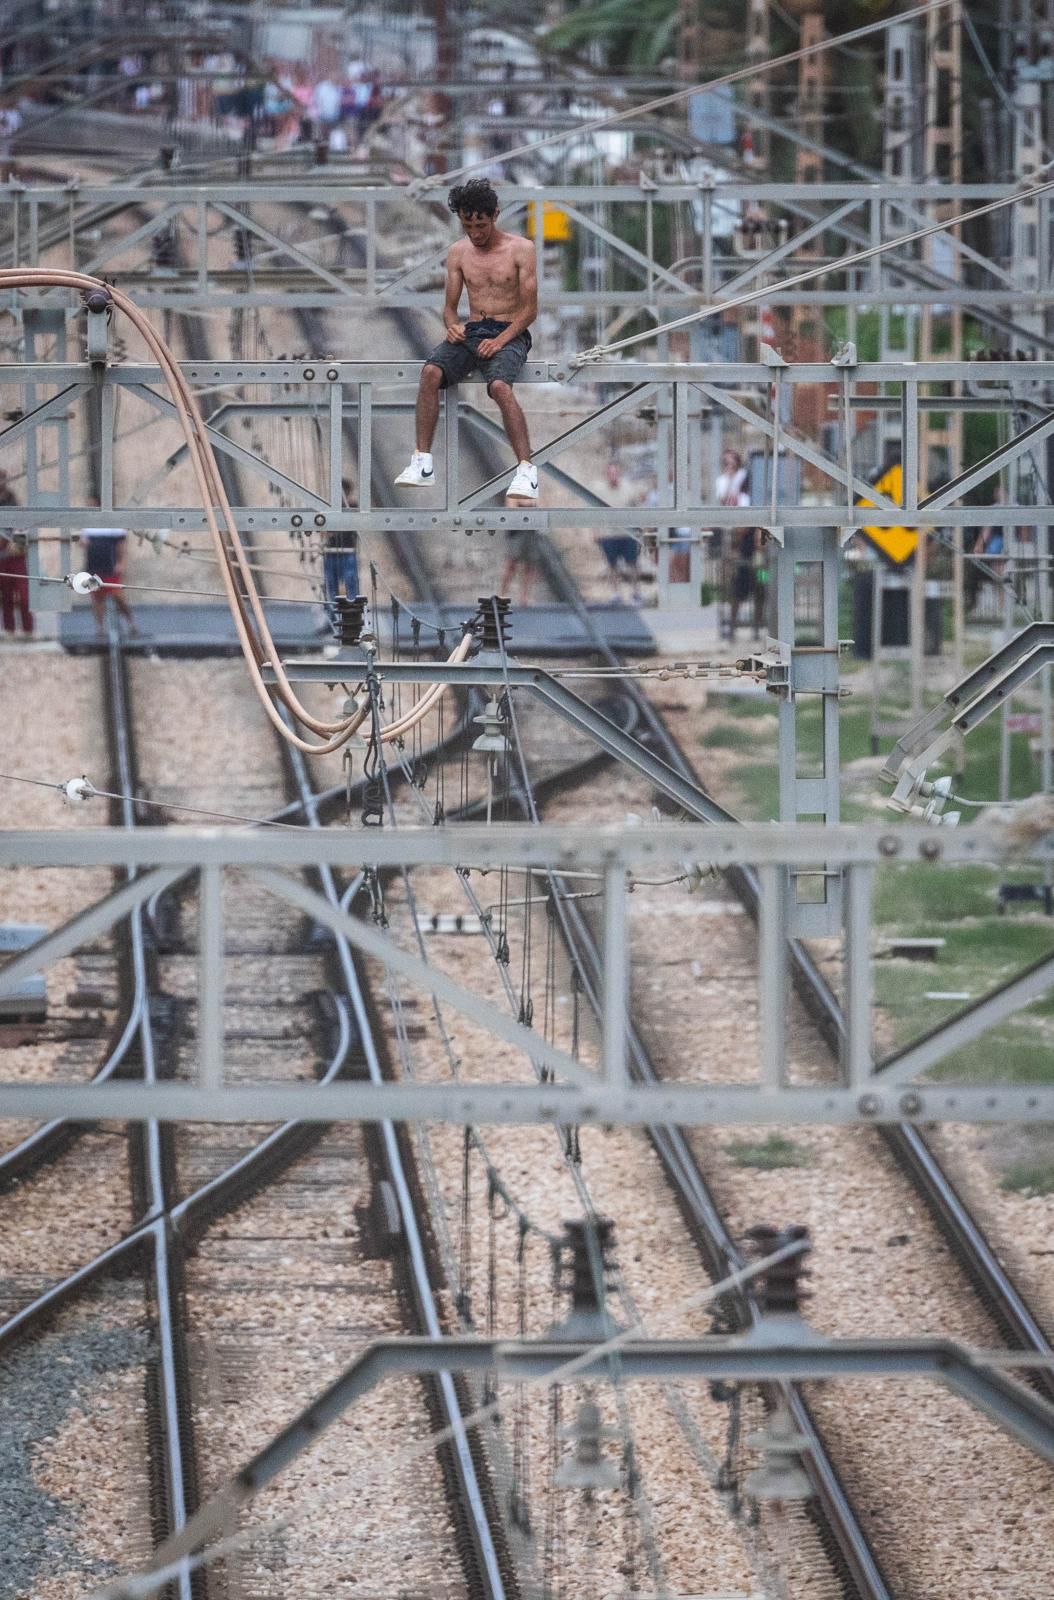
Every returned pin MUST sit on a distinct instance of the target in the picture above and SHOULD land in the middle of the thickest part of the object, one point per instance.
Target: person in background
(731, 485)
(523, 555)
(10, 122)
(989, 543)
(739, 544)
(340, 558)
(326, 108)
(745, 589)
(104, 556)
(14, 579)
(621, 551)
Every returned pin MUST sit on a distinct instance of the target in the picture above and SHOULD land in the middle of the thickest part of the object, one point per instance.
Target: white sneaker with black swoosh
(524, 483)
(419, 474)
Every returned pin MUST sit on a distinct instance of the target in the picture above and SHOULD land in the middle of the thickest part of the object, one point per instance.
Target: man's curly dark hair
(473, 199)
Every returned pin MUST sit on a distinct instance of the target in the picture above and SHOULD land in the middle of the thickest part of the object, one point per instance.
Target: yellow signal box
(896, 544)
(556, 224)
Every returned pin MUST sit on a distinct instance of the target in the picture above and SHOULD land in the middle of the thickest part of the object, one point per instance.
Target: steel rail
(490, 1578)
(1003, 1300)
(839, 1524)
(173, 1380)
(164, 1225)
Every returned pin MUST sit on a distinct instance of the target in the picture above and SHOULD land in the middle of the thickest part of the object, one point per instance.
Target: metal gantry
(742, 235)
(746, 394)
(868, 1090)
(684, 405)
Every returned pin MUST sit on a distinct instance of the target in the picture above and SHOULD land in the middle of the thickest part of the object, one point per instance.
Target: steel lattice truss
(244, 244)
(659, 394)
(784, 862)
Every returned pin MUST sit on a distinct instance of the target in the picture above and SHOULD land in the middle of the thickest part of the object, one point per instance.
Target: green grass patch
(916, 900)
(1029, 1177)
(1011, 1053)
(769, 1154)
(733, 736)
(744, 705)
(977, 957)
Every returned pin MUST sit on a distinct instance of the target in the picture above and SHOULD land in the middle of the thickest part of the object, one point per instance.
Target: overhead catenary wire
(92, 793)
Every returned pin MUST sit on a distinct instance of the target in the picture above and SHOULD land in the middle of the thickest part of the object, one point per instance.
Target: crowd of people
(289, 104)
(280, 104)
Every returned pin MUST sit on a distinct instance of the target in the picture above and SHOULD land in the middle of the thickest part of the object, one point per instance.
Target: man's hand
(455, 333)
(490, 347)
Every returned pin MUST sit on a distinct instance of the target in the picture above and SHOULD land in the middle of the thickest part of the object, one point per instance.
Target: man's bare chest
(491, 272)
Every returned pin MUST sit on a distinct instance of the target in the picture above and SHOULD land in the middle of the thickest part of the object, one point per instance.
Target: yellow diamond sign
(896, 544)
(556, 224)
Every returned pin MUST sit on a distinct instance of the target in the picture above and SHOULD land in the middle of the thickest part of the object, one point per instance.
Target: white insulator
(83, 582)
(78, 790)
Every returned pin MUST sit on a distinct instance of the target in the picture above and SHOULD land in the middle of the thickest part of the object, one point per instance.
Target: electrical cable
(92, 793)
(239, 583)
(157, 588)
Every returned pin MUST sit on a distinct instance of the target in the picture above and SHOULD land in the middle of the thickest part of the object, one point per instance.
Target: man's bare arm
(455, 283)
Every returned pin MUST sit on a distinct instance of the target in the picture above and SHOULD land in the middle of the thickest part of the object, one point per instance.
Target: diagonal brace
(799, 447)
(573, 435)
(286, 246)
(788, 248)
(47, 408)
(966, 1025)
(227, 446)
(1039, 430)
(423, 976)
(86, 924)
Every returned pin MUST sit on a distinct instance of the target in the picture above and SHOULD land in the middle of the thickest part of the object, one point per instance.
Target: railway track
(937, 1190)
(186, 1184)
(846, 1543)
(978, 1261)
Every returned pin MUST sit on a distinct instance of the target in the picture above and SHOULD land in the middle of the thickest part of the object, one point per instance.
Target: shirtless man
(499, 272)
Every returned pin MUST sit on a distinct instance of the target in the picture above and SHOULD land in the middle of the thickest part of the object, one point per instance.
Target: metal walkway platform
(205, 630)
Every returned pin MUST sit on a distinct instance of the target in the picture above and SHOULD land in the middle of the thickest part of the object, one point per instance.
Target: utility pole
(759, 48)
(1027, 59)
(940, 433)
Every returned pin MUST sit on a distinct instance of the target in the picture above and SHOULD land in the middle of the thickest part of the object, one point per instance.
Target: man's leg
(427, 413)
(21, 587)
(8, 582)
(513, 419)
(126, 611)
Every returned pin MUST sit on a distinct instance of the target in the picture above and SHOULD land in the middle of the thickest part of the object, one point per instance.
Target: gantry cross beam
(360, 255)
(745, 393)
(867, 1089)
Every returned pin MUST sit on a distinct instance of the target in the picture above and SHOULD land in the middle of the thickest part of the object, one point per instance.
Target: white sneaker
(419, 474)
(525, 481)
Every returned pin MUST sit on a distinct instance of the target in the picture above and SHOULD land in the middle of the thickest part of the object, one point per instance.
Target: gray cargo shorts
(456, 361)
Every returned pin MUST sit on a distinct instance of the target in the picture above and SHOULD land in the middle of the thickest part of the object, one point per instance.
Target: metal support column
(616, 978)
(44, 336)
